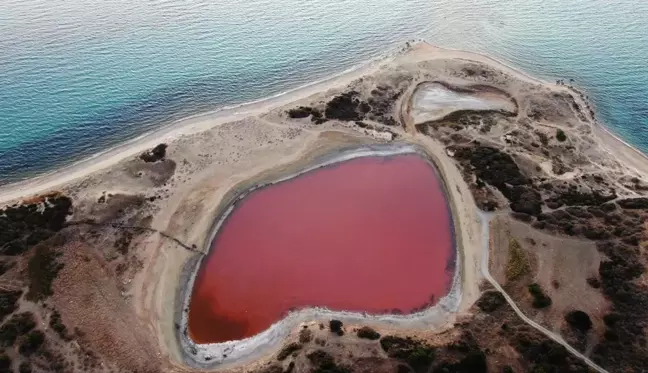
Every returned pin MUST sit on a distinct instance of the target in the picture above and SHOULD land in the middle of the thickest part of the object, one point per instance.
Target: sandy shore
(169, 132)
(422, 51)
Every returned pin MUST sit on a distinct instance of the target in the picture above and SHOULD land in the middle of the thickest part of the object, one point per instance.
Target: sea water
(80, 76)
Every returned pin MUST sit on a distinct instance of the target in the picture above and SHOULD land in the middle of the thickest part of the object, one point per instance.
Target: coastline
(420, 50)
(185, 126)
(214, 160)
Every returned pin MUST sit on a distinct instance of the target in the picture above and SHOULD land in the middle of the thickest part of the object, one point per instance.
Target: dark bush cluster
(288, 350)
(579, 320)
(491, 301)
(23, 226)
(634, 203)
(368, 333)
(473, 362)
(57, 325)
(594, 222)
(381, 102)
(418, 355)
(545, 355)
(31, 342)
(8, 300)
(156, 154)
(42, 269)
(624, 339)
(566, 194)
(17, 326)
(346, 107)
(323, 362)
(5, 363)
(560, 135)
(540, 299)
(498, 169)
(336, 327)
(305, 112)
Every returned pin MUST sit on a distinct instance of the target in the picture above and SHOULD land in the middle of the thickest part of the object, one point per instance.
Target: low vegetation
(8, 302)
(518, 263)
(336, 327)
(31, 342)
(560, 135)
(540, 299)
(42, 269)
(156, 154)
(368, 333)
(305, 335)
(288, 350)
(17, 326)
(579, 320)
(491, 301)
(417, 354)
(23, 226)
(57, 325)
(323, 362)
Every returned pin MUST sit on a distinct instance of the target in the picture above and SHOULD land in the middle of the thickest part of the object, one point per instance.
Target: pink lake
(371, 234)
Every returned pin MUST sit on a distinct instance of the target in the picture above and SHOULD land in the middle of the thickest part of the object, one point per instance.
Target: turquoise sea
(77, 77)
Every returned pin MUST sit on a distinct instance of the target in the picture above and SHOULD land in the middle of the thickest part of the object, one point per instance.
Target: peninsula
(435, 211)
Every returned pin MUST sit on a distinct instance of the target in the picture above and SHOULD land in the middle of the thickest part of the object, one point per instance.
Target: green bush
(32, 342)
(540, 299)
(421, 358)
(288, 350)
(560, 135)
(8, 301)
(18, 325)
(42, 269)
(367, 333)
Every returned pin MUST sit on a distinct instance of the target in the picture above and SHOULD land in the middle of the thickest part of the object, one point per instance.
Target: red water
(371, 234)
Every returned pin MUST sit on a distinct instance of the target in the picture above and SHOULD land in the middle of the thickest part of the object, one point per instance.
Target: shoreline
(185, 126)
(203, 121)
(230, 353)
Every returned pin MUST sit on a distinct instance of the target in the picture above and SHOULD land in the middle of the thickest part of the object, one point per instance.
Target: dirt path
(485, 220)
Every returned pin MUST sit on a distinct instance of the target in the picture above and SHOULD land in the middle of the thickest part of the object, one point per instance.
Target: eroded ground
(90, 274)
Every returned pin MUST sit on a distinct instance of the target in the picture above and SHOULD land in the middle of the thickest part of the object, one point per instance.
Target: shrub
(421, 358)
(367, 333)
(517, 264)
(5, 363)
(560, 135)
(31, 342)
(288, 350)
(42, 269)
(336, 327)
(156, 154)
(24, 367)
(57, 325)
(324, 363)
(490, 301)
(579, 320)
(305, 335)
(8, 301)
(540, 299)
(17, 326)
(415, 353)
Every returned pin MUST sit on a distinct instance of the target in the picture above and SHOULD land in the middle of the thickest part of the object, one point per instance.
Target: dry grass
(518, 263)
